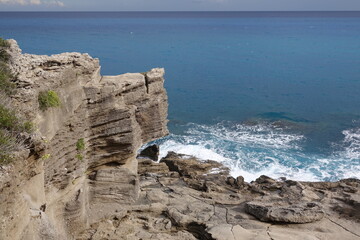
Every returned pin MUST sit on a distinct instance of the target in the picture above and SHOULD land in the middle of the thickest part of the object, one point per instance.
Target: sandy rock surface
(170, 204)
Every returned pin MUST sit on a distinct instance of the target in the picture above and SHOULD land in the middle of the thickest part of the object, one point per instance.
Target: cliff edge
(80, 162)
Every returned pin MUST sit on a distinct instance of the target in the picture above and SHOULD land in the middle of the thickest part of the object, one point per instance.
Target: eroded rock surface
(285, 213)
(172, 206)
(112, 115)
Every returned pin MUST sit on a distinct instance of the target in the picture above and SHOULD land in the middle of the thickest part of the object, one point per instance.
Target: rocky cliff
(80, 163)
(79, 176)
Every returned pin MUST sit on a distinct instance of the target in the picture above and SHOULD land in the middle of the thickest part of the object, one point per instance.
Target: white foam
(251, 151)
(189, 149)
(276, 171)
(352, 144)
(258, 135)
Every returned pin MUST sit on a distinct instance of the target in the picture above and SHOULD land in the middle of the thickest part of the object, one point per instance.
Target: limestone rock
(183, 205)
(147, 166)
(113, 115)
(271, 212)
(191, 167)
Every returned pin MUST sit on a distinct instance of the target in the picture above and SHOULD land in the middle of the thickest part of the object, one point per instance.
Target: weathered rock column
(61, 189)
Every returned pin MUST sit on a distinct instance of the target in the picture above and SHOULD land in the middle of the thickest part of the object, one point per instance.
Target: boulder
(285, 213)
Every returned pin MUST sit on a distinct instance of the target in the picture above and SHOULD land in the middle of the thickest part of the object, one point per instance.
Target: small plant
(46, 156)
(5, 158)
(80, 144)
(79, 157)
(5, 84)
(9, 142)
(5, 147)
(80, 147)
(28, 126)
(4, 55)
(48, 99)
(8, 119)
(11, 124)
(5, 74)
(4, 43)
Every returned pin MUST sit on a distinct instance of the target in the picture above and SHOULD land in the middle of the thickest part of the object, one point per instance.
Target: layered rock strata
(185, 198)
(54, 190)
(79, 177)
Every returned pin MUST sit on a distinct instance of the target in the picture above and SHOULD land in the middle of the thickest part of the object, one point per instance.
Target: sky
(179, 5)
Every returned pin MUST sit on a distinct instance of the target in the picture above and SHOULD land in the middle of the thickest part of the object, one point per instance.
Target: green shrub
(5, 85)
(4, 43)
(4, 55)
(48, 99)
(7, 145)
(79, 157)
(80, 144)
(8, 119)
(11, 122)
(11, 126)
(28, 126)
(5, 75)
(46, 156)
(5, 158)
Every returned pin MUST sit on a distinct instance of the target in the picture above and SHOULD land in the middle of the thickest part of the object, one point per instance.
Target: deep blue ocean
(275, 93)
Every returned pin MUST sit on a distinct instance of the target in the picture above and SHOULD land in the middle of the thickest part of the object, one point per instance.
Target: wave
(351, 144)
(262, 149)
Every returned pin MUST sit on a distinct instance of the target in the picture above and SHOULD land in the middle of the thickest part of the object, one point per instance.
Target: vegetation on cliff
(6, 85)
(4, 43)
(48, 99)
(80, 144)
(80, 147)
(11, 125)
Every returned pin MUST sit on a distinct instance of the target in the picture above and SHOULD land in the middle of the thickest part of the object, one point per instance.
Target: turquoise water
(265, 93)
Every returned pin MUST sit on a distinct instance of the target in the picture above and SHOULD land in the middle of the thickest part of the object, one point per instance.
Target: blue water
(266, 93)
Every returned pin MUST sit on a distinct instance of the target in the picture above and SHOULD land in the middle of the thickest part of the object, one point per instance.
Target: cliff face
(56, 188)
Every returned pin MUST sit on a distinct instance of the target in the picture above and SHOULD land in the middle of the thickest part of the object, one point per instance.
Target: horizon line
(104, 11)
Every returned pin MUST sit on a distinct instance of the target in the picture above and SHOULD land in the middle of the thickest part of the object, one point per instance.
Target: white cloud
(58, 3)
(19, 2)
(33, 2)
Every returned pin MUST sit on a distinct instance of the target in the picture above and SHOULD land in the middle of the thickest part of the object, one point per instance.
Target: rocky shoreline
(182, 197)
(79, 176)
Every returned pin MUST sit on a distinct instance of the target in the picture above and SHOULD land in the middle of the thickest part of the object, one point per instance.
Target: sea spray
(265, 149)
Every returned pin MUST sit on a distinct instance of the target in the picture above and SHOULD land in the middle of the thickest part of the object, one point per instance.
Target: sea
(265, 93)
